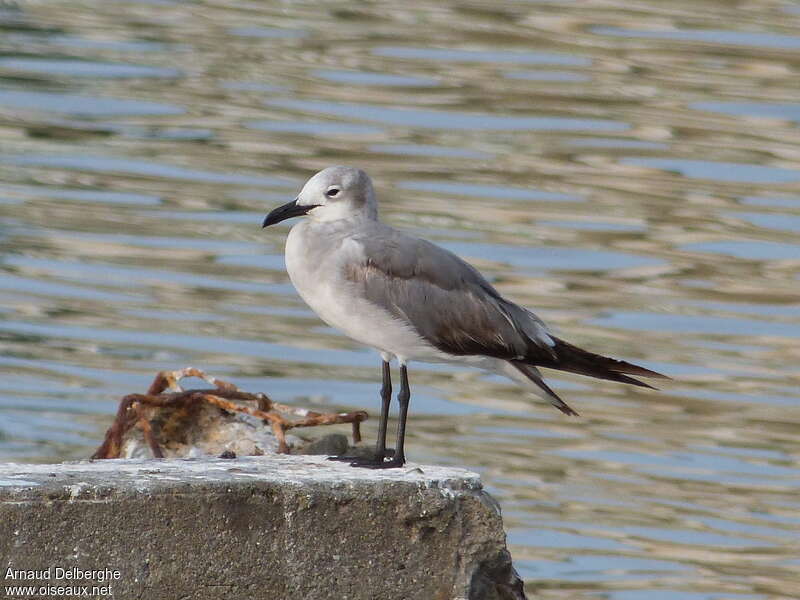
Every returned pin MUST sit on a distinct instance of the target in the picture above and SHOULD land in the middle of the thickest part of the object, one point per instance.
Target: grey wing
(446, 300)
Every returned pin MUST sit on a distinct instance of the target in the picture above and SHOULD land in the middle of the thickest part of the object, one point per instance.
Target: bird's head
(332, 194)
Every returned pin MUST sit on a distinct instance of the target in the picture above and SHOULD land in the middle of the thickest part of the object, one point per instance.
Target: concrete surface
(257, 527)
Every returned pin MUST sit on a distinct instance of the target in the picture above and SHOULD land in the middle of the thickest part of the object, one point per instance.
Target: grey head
(332, 194)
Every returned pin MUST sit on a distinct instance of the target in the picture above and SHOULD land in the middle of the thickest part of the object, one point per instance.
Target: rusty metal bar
(166, 392)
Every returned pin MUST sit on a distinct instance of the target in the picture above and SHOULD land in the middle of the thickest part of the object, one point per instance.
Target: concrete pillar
(270, 527)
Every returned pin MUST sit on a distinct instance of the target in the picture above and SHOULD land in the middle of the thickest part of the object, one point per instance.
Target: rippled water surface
(631, 170)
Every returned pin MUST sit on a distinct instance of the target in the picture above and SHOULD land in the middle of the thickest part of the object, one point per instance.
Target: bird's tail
(566, 357)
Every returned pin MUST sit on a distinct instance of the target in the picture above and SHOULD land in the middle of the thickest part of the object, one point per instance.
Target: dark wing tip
(577, 360)
(625, 379)
(554, 398)
(632, 369)
(566, 409)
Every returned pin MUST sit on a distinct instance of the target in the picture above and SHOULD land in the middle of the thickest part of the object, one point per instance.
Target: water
(631, 172)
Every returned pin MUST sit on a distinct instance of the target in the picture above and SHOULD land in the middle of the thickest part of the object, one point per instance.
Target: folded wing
(446, 300)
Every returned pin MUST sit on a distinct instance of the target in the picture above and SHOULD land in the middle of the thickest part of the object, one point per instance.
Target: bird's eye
(332, 192)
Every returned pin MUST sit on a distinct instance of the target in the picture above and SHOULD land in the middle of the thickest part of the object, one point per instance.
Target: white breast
(316, 271)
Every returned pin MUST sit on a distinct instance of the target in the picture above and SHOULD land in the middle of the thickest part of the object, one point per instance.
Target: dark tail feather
(532, 374)
(576, 360)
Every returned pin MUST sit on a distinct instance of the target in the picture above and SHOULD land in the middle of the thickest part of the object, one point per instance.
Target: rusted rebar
(166, 392)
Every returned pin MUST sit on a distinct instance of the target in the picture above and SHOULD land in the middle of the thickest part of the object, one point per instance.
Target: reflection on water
(719, 171)
(450, 120)
(631, 173)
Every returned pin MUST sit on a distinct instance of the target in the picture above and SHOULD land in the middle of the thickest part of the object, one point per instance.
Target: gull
(410, 299)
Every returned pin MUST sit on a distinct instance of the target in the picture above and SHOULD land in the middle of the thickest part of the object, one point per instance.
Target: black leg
(403, 398)
(386, 398)
(380, 446)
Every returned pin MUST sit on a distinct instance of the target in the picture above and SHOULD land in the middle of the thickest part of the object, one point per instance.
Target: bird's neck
(345, 218)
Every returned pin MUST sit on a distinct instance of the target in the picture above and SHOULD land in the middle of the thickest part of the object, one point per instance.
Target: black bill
(287, 211)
